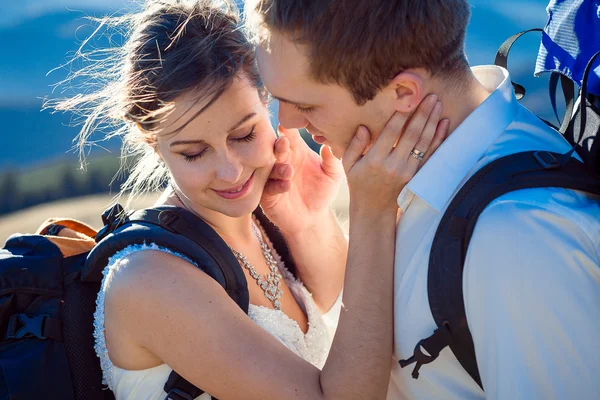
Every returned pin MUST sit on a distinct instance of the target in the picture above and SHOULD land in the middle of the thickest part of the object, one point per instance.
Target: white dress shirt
(532, 277)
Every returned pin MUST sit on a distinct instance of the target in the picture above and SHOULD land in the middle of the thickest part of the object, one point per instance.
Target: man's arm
(330, 247)
(532, 297)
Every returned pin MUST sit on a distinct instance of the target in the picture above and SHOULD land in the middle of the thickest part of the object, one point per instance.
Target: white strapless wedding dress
(148, 384)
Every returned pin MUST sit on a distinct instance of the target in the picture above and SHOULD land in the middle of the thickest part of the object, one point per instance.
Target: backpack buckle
(173, 222)
(178, 394)
(428, 350)
(546, 159)
(25, 326)
(112, 219)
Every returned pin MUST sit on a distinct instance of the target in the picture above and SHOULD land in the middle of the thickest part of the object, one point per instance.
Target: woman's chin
(240, 208)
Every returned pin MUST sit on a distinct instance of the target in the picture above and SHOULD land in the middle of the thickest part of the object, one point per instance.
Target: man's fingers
(389, 136)
(293, 135)
(423, 144)
(274, 188)
(282, 171)
(282, 149)
(441, 134)
(428, 133)
(401, 129)
(357, 147)
(414, 131)
(331, 165)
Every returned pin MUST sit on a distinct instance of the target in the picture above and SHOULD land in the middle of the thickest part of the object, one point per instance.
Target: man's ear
(407, 91)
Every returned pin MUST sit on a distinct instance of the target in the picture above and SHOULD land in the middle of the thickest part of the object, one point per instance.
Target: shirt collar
(439, 178)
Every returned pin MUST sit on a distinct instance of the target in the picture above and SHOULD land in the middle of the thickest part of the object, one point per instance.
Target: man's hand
(302, 184)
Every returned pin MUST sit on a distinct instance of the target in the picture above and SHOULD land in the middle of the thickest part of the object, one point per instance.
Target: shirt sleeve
(532, 298)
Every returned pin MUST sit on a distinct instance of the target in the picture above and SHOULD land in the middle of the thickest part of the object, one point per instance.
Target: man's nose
(290, 117)
(229, 168)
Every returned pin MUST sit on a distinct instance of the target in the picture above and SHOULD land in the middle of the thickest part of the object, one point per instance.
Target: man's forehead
(280, 56)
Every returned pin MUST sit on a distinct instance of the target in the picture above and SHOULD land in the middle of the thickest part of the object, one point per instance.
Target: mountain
(40, 35)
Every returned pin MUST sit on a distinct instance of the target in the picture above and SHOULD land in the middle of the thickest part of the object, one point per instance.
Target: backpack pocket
(34, 369)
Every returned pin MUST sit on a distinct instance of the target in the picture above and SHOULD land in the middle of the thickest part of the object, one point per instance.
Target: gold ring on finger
(417, 154)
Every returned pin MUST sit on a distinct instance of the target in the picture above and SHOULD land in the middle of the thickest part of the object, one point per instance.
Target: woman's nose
(229, 168)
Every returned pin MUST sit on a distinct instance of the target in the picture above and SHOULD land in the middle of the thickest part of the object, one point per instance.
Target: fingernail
(438, 108)
(432, 99)
(283, 169)
(362, 133)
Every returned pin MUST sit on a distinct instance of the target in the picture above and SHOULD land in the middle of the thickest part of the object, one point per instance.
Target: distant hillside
(37, 138)
(88, 209)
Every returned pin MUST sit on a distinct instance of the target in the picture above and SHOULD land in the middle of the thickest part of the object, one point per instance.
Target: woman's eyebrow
(233, 128)
(241, 121)
(182, 142)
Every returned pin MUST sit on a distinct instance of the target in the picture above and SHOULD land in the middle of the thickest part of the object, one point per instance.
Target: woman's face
(221, 158)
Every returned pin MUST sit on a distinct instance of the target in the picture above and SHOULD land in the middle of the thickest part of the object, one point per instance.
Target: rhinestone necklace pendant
(271, 283)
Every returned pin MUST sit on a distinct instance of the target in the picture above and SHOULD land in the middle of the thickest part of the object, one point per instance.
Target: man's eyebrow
(281, 99)
(241, 121)
(233, 128)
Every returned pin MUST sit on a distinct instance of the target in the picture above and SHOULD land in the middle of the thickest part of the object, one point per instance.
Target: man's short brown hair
(363, 44)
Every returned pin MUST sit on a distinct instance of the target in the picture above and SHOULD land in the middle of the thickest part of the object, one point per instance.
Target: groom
(531, 278)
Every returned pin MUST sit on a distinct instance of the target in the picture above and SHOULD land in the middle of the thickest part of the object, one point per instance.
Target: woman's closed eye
(248, 138)
(244, 139)
(191, 158)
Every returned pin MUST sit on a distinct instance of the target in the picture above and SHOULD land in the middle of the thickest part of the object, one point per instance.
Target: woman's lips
(238, 192)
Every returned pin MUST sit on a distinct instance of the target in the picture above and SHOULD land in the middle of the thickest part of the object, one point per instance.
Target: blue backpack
(48, 288)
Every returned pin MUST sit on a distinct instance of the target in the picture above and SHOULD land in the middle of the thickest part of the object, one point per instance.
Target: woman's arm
(183, 317)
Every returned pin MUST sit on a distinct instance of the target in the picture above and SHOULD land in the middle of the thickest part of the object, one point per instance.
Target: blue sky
(37, 36)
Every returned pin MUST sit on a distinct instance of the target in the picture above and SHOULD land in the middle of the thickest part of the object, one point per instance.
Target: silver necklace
(271, 283)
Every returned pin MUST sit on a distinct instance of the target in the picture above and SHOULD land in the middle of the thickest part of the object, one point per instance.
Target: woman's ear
(407, 91)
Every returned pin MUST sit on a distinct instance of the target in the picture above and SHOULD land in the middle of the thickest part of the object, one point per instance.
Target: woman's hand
(302, 185)
(377, 176)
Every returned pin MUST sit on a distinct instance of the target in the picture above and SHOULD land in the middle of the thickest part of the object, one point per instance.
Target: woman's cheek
(190, 177)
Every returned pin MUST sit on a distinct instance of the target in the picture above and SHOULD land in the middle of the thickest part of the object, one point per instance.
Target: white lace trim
(100, 342)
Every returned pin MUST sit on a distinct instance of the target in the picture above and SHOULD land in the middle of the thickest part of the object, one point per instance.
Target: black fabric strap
(584, 94)
(182, 222)
(568, 90)
(177, 388)
(502, 58)
(451, 241)
(53, 329)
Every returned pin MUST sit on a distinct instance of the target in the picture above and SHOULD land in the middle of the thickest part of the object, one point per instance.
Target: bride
(187, 95)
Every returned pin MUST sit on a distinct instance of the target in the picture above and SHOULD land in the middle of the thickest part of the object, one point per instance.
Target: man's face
(327, 111)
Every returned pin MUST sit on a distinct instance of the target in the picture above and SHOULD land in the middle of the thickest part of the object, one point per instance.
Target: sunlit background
(37, 165)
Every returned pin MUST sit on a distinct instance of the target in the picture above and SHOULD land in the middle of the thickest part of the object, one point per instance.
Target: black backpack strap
(502, 58)
(533, 169)
(276, 237)
(177, 388)
(568, 86)
(585, 124)
(568, 89)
